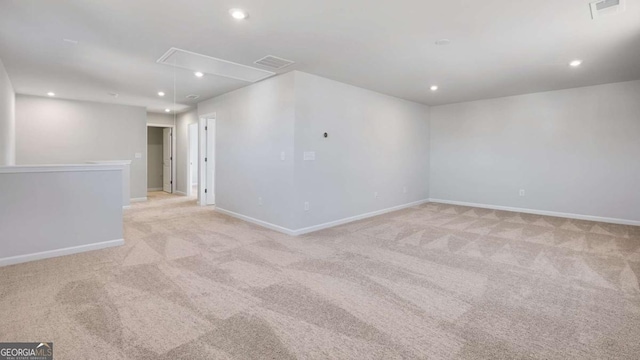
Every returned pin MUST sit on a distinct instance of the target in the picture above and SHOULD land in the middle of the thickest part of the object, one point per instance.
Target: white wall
(56, 210)
(376, 143)
(155, 161)
(573, 151)
(56, 131)
(182, 149)
(161, 118)
(193, 153)
(253, 126)
(7, 119)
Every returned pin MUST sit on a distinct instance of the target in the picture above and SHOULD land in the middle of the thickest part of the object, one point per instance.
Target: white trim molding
(264, 224)
(540, 212)
(140, 199)
(59, 168)
(59, 252)
(155, 189)
(357, 217)
(326, 225)
(160, 125)
(181, 193)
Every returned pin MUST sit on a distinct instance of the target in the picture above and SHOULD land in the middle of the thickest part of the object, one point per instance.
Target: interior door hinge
(205, 159)
(205, 191)
(206, 128)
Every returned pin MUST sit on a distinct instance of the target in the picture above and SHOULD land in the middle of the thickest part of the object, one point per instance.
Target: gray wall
(154, 157)
(56, 131)
(376, 143)
(56, 209)
(572, 151)
(253, 126)
(7, 119)
(182, 148)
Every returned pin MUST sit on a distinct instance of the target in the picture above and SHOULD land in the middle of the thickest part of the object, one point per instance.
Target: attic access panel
(209, 65)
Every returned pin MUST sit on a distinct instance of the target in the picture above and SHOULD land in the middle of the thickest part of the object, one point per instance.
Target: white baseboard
(320, 226)
(59, 252)
(155, 189)
(181, 193)
(540, 212)
(265, 224)
(126, 207)
(140, 199)
(357, 217)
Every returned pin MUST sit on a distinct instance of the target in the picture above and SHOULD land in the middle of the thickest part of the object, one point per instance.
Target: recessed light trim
(167, 110)
(443, 42)
(198, 74)
(238, 14)
(51, 93)
(575, 63)
(161, 93)
(433, 87)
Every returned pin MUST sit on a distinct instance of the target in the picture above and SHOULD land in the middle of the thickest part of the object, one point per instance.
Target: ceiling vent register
(274, 62)
(606, 7)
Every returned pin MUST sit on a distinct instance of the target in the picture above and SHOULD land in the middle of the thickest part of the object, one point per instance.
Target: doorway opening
(160, 155)
(207, 160)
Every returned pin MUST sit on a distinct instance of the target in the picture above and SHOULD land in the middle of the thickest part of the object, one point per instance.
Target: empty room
(319, 179)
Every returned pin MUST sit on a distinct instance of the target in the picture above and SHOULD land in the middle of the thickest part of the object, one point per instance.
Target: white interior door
(210, 161)
(167, 172)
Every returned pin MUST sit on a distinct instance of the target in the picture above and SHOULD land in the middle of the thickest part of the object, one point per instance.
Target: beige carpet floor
(433, 281)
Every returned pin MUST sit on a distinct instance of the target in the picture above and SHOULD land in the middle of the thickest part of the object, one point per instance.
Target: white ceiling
(499, 47)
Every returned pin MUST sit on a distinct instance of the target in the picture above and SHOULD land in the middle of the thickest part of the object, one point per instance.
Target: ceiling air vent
(192, 96)
(274, 62)
(606, 7)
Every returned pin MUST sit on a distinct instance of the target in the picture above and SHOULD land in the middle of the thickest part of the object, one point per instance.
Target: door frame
(202, 152)
(173, 153)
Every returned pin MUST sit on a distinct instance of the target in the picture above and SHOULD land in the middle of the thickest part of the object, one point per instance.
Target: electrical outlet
(404, 189)
(306, 206)
(521, 192)
(282, 155)
(260, 201)
(375, 194)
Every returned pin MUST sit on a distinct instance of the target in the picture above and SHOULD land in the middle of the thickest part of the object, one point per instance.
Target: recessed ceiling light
(115, 95)
(238, 14)
(160, 93)
(51, 93)
(167, 110)
(443, 42)
(198, 74)
(575, 63)
(434, 87)
(71, 41)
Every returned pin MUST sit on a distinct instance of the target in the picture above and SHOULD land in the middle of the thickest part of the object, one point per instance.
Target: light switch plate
(138, 155)
(309, 155)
